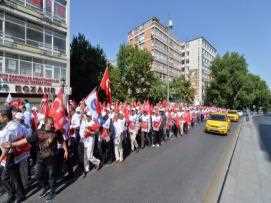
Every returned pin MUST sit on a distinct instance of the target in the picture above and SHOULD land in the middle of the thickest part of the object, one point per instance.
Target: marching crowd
(85, 140)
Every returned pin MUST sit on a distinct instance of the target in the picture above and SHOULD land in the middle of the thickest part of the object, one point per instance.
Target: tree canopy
(87, 64)
(232, 85)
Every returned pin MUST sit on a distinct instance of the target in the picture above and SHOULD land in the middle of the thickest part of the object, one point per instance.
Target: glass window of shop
(15, 29)
(26, 66)
(12, 64)
(34, 35)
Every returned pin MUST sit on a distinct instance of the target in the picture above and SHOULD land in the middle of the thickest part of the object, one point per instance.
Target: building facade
(164, 47)
(201, 55)
(34, 47)
(173, 58)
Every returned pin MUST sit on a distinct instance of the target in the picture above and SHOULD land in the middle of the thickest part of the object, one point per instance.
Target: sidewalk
(249, 177)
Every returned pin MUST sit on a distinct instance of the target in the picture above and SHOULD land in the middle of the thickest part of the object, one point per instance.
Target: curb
(216, 186)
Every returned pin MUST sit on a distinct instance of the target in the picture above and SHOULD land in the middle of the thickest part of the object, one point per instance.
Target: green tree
(232, 86)
(158, 91)
(87, 64)
(135, 70)
(117, 89)
(181, 90)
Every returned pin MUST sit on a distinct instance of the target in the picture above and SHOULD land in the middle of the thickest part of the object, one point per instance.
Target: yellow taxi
(233, 115)
(218, 123)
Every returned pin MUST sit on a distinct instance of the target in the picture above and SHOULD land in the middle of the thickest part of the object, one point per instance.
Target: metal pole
(169, 27)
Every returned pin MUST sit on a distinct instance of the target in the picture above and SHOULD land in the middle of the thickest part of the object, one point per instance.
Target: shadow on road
(264, 130)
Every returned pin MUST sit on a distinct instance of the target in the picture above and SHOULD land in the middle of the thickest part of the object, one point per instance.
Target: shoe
(10, 199)
(19, 200)
(50, 196)
(43, 193)
(100, 165)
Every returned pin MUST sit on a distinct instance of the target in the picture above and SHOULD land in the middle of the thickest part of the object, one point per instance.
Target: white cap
(19, 116)
(34, 108)
(78, 109)
(89, 113)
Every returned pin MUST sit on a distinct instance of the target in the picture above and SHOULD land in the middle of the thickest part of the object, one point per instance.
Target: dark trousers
(11, 181)
(157, 137)
(45, 173)
(61, 163)
(185, 128)
(145, 136)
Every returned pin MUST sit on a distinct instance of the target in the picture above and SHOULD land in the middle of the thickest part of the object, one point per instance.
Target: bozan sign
(27, 85)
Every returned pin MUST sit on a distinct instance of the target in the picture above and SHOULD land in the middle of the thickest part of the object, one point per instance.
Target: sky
(230, 25)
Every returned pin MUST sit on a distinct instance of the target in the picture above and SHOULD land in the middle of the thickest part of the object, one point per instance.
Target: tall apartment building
(173, 57)
(34, 46)
(164, 47)
(201, 55)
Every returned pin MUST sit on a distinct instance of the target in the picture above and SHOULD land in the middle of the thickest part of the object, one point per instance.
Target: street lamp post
(169, 27)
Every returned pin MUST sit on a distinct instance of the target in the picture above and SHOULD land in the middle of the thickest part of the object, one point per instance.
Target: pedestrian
(119, 128)
(88, 129)
(12, 157)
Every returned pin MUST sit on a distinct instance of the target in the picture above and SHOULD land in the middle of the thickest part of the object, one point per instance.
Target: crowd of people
(86, 140)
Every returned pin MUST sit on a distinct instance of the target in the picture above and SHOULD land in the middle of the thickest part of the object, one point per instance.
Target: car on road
(218, 123)
(233, 115)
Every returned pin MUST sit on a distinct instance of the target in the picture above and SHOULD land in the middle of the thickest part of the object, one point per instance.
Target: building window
(15, 31)
(48, 72)
(1, 62)
(1, 28)
(26, 68)
(57, 73)
(48, 7)
(48, 39)
(34, 35)
(12, 65)
(63, 73)
(59, 42)
(60, 9)
(183, 54)
(183, 62)
(38, 70)
(187, 53)
(187, 61)
(35, 3)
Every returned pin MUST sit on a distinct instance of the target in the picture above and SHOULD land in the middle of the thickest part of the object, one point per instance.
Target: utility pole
(169, 27)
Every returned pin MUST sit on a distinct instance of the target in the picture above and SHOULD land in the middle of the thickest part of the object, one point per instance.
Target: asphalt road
(179, 171)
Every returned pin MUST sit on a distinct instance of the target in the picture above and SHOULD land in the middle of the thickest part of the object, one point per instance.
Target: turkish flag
(44, 106)
(57, 110)
(105, 85)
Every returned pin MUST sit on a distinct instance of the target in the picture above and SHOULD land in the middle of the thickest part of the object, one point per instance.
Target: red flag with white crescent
(105, 85)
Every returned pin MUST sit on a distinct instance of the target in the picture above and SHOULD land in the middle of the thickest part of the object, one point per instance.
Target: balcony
(41, 12)
(41, 49)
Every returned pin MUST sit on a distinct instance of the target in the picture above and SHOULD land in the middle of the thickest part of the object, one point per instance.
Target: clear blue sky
(231, 25)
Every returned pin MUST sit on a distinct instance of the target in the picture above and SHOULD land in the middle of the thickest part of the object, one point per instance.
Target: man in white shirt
(88, 128)
(119, 127)
(145, 129)
(10, 159)
(133, 127)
